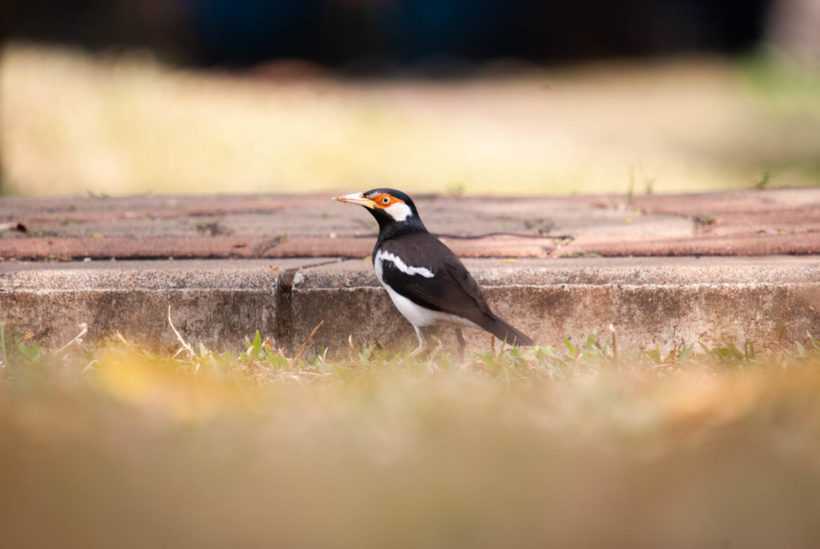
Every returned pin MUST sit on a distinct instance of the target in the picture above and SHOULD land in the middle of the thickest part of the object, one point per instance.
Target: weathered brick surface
(735, 223)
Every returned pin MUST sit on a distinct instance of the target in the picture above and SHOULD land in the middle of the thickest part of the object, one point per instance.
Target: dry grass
(119, 447)
(123, 124)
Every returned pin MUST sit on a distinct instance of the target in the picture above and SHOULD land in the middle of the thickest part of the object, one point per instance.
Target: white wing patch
(400, 265)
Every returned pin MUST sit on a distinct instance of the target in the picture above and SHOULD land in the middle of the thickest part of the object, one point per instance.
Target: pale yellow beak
(356, 198)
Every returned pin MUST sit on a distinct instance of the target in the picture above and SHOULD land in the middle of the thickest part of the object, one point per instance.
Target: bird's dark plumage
(452, 290)
(425, 279)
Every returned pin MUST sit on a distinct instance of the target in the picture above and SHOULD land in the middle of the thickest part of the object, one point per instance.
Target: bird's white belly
(416, 314)
(421, 316)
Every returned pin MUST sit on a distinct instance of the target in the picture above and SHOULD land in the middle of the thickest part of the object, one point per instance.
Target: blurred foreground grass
(578, 447)
(116, 124)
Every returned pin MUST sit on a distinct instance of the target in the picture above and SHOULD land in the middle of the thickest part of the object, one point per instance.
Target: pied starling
(423, 277)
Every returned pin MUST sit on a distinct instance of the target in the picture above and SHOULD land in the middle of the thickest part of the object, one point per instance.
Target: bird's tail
(505, 332)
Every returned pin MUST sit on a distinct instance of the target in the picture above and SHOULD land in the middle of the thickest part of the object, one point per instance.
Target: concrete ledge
(650, 302)
(217, 303)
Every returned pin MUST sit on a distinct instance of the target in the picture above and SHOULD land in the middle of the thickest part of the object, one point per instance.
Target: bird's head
(390, 207)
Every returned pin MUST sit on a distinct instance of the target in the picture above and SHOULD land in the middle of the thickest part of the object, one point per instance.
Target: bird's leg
(461, 343)
(422, 344)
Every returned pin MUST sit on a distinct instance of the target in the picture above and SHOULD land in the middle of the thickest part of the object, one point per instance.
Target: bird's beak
(356, 198)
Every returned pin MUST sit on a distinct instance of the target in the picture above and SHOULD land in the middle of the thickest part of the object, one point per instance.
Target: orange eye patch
(385, 200)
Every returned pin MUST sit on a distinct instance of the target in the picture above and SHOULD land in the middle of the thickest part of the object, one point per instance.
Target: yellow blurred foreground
(74, 123)
(579, 447)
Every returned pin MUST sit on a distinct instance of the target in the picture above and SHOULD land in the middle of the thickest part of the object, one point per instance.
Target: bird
(426, 281)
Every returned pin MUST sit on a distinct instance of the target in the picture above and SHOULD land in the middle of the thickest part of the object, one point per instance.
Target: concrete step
(649, 302)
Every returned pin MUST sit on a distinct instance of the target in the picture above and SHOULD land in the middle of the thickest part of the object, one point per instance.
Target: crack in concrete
(283, 326)
(283, 309)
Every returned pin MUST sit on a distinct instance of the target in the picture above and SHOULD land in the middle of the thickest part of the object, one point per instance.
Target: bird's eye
(385, 200)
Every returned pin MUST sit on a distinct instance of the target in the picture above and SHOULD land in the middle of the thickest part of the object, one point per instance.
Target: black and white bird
(425, 279)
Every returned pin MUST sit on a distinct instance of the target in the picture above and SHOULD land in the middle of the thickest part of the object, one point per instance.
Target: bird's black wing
(451, 289)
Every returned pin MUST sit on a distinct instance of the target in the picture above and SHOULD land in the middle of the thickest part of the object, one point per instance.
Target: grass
(75, 123)
(586, 445)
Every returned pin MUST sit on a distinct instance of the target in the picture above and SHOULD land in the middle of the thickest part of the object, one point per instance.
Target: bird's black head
(394, 211)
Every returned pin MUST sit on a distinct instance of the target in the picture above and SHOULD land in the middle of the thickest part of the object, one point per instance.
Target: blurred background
(455, 96)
